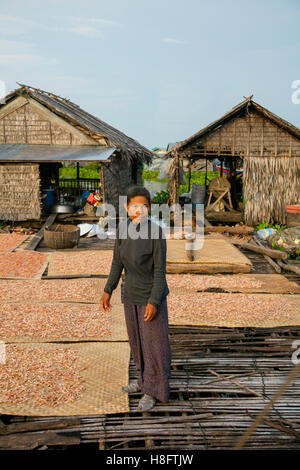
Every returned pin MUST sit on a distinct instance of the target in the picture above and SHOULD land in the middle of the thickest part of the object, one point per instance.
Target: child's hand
(150, 312)
(105, 302)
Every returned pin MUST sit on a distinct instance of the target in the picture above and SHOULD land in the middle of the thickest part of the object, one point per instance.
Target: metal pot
(62, 209)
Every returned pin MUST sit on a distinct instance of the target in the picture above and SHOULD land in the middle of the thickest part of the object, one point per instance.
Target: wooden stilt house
(270, 151)
(40, 130)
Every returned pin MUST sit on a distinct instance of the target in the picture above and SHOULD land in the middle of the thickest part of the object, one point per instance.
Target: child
(145, 297)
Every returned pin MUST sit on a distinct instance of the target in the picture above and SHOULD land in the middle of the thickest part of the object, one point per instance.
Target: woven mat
(233, 310)
(80, 262)
(244, 283)
(106, 371)
(213, 251)
(23, 265)
(10, 241)
(58, 322)
(55, 290)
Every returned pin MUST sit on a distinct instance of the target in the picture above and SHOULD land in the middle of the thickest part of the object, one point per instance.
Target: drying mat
(80, 262)
(117, 322)
(57, 322)
(10, 241)
(245, 283)
(233, 310)
(23, 265)
(105, 371)
(41, 322)
(213, 251)
(55, 290)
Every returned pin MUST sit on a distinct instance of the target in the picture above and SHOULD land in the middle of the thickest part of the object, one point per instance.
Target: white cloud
(14, 52)
(6, 59)
(100, 21)
(173, 41)
(11, 47)
(89, 27)
(82, 30)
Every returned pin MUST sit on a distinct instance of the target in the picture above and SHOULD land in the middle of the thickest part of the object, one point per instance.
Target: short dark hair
(134, 191)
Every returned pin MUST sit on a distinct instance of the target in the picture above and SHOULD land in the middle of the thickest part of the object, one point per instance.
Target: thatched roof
(86, 122)
(246, 105)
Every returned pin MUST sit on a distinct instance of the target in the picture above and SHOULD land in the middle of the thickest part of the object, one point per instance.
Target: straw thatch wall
(30, 125)
(31, 116)
(269, 184)
(270, 149)
(19, 191)
(248, 134)
(117, 177)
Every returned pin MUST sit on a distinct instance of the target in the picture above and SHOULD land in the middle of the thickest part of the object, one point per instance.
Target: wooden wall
(30, 125)
(249, 135)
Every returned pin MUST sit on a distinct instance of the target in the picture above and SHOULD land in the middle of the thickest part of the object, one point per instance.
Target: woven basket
(62, 236)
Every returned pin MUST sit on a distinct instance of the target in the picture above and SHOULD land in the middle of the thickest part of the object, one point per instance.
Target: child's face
(138, 208)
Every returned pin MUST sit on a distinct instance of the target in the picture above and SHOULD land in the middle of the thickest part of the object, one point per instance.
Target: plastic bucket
(198, 194)
(295, 209)
(49, 200)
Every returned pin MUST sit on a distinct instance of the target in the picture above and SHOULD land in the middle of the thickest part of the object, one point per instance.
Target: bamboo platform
(204, 411)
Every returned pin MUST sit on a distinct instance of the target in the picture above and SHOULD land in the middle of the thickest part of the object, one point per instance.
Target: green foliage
(267, 225)
(197, 177)
(161, 197)
(92, 170)
(152, 176)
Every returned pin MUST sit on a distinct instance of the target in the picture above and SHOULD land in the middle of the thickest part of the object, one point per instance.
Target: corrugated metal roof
(53, 153)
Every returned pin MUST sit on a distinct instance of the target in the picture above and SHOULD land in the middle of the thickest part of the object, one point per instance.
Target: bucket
(49, 200)
(198, 194)
(292, 215)
(62, 236)
(295, 209)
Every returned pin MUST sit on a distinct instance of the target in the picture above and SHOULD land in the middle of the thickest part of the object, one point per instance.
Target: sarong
(150, 348)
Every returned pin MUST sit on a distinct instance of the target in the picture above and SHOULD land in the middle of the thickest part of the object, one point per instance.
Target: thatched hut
(270, 151)
(39, 131)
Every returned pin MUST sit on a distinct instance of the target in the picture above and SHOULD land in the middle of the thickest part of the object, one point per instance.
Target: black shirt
(141, 250)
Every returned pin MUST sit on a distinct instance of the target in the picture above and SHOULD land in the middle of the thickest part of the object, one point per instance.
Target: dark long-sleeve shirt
(144, 262)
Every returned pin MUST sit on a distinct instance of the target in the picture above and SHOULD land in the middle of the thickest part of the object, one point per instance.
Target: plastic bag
(265, 233)
(164, 171)
(288, 240)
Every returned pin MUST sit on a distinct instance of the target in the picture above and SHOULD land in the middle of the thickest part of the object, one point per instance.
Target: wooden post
(174, 180)
(190, 175)
(77, 192)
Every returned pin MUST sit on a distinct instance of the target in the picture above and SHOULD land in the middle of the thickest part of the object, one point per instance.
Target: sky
(157, 70)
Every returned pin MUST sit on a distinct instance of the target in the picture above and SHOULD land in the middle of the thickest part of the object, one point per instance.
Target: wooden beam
(38, 236)
(258, 249)
(13, 106)
(233, 138)
(262, 140)
(207, 268)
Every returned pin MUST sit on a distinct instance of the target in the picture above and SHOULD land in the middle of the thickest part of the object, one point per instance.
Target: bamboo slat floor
(205, 411)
